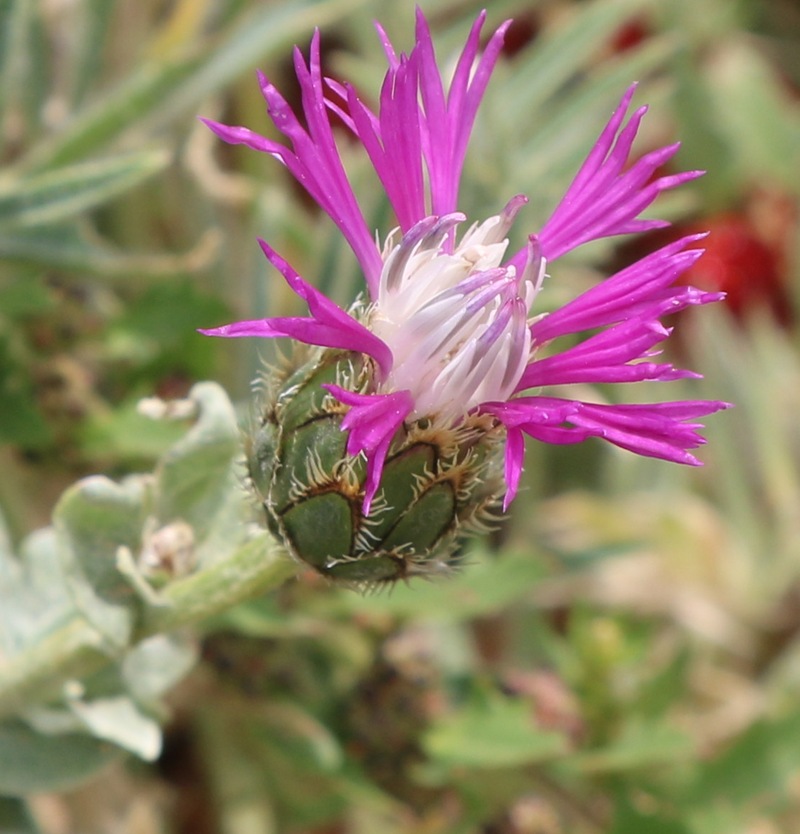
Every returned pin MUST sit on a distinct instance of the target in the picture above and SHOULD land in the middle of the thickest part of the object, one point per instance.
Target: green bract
(438, 484)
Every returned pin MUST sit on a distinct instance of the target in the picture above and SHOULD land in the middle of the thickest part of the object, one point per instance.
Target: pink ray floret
(451, 325)
(373, 421)
(328, 325)
(604, 199)
(654, 430)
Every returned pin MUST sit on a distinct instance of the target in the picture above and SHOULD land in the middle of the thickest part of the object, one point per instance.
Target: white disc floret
(455, 319)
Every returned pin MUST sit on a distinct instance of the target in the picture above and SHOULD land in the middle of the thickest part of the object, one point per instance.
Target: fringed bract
(439, 483)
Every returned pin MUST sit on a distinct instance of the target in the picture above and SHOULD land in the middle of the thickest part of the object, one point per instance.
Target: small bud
(168, 553)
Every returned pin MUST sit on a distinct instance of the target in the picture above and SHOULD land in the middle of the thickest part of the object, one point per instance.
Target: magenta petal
(650, 281)
(373, 421)
(303, 329)
(309, 331)
(608, 356)
(465, 95)
(388, 49)
(649, 430)
(236, 135)
(313, 159)
(328, 326)
(656, 430)
(524, 411)
(515, 456)
(355, 336)
(448, 119)
(604, 199)
(392, 141)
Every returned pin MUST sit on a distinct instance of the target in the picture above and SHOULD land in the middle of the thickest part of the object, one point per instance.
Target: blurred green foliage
(622, 657)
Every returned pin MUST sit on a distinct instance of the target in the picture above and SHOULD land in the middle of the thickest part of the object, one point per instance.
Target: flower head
(451, 333)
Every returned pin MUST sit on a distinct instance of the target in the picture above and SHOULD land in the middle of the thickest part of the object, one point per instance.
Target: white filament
(455, 320)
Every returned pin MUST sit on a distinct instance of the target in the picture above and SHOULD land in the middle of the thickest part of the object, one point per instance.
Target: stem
(257, 567)
(77, 649)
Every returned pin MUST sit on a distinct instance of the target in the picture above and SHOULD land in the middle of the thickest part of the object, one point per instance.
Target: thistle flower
(393, 427)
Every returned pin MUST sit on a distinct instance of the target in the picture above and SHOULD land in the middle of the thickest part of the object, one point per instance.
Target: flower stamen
(455, 319)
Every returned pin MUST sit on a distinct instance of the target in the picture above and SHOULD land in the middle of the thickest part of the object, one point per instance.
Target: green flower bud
(439, 483)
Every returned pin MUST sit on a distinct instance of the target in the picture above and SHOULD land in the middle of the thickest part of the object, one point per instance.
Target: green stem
(256, 568)
(77, 649)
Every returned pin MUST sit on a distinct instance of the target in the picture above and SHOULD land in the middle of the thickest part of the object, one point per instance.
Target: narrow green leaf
(69, 249)
(756, 113)
(159, 92)
(92, 34)
(15, 19)
(559, 144)
(559, 55)
(101, 122)
(704, 145)
(259, 33)
(63, 193)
